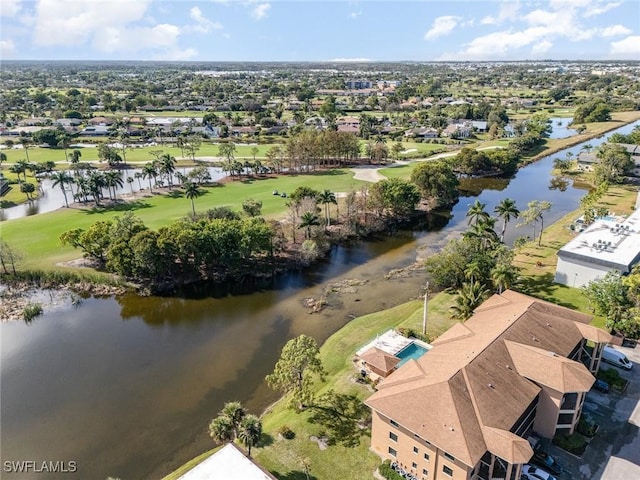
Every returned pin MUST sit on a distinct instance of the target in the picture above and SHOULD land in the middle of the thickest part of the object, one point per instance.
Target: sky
(327, 30)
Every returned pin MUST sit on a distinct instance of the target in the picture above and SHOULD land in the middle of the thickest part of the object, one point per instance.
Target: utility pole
(424, 311)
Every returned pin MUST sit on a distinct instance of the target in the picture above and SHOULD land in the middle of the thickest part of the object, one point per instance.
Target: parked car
(543, 459)
(529, 472)
(602, 386)
(617, 358)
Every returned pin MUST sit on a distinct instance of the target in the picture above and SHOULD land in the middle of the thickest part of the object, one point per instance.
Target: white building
(228, 463)
(606, 245)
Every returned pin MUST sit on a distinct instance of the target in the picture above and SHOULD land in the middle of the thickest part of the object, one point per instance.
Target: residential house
(634, 151)
(228, 463)
(608, 244)
(464, 409)
(421, 132)
(586, 160)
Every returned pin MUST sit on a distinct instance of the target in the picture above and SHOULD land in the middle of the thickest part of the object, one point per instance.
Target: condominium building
(465, 408)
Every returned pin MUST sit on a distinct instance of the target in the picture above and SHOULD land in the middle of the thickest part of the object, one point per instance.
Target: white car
(529, 472)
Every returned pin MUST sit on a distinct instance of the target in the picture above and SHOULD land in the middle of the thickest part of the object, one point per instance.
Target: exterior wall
(410, 450)
(576, 273)
(547, 412)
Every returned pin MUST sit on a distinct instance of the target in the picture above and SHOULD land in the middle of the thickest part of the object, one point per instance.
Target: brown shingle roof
(380, 359)
(472, 379)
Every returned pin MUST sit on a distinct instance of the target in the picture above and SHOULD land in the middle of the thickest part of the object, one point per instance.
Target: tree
(477, 213)
(191, 191)
(227, 150)
(470, 296)
(506, 210)
(113, 180)
(437, 183)
(395, 195)
(150, 171)
(3, 158)
(293, 373)
(397, 149)
(62, 178)
(344, 416)
(614, 162)
(610, 298)
(250, 431)
(503, 276)
(28, 189)
(75, 156)
(252, 207)
(534, 213)
(327, 197)
(8, 257)
(307, 220)
(167, 167)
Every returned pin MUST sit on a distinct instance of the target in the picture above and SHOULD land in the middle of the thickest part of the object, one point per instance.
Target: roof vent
(490, 385)
(548, 324)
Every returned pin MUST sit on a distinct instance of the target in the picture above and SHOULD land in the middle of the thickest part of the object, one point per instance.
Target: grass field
(37, 236)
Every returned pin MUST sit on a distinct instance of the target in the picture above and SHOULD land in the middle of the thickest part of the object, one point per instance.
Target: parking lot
(614, 453)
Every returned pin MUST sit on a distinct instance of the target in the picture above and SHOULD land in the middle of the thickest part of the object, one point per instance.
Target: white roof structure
(228, 463)
(390, 342)
(606, 245)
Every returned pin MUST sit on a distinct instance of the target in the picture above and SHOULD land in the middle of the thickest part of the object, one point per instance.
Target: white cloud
(541, 47)
(117, 39)
(203, 24)
(10, 8)
(628, 49)
(508, 11)
(7, 48)
(598, 9)
(73, 22)
(260, 11)
(442, 26)
(614, 31)
(355, 15)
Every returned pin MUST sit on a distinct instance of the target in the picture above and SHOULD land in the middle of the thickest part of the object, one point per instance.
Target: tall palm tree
(151, 172)
(308, 220)
(250, 431)
(113, 180)
(96, 184)
(477, 213)
(130, 182)
(28, 189)
(326, 197)
(3, 158)
(506, 210)
(62, 178)
(235, 412)
(167, 167)
(191, 191)
(20, 167)
(75, 156)
(483, 231)
(138, 176)
(26, 144)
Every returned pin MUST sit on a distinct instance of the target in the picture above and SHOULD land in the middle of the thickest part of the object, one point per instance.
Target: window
(392, 452)
(426, 457)
(447, 471)
(395, 424)
(393, 436)
(415, 450)
(449, 457)
(425, 472)
(414, 465)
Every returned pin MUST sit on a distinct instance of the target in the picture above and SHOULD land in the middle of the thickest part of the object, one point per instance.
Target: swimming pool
(411, 351)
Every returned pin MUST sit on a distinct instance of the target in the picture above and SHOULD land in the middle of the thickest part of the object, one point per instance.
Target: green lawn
(37, 236)
(142, 154)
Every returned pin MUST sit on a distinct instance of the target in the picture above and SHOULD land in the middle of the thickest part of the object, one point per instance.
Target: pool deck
(391, 342)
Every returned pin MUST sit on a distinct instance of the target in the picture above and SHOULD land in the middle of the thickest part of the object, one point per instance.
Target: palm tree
(235, 412)
(26, 144)
(506, 210)
(75, 156)
(20, 167)
(470, 295)
(112, 181)
(250, 431)
(503, 276)
(149, 171)
(27, 189)
(326, 197)
(3, 158)
(483, 231)
(130, 182)
(96, 184)
(64, 142)
(167, 167)
(61, 178)
(138, 176)
(308, 220)
(221, 429)
(477, 213)
(473, 272)
(191, 191)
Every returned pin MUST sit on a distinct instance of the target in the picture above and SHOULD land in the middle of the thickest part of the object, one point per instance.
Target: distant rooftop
(607, 242)
(228, 463)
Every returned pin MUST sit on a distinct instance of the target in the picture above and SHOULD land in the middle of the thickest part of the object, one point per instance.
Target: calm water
(126, 386)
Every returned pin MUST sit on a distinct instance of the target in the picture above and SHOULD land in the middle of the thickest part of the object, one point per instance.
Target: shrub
(612, 377)
(573, 443)
(286, 432)
(389, 473)
(587, 427)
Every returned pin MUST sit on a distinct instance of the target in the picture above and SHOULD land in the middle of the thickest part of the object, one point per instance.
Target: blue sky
(280, 30)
